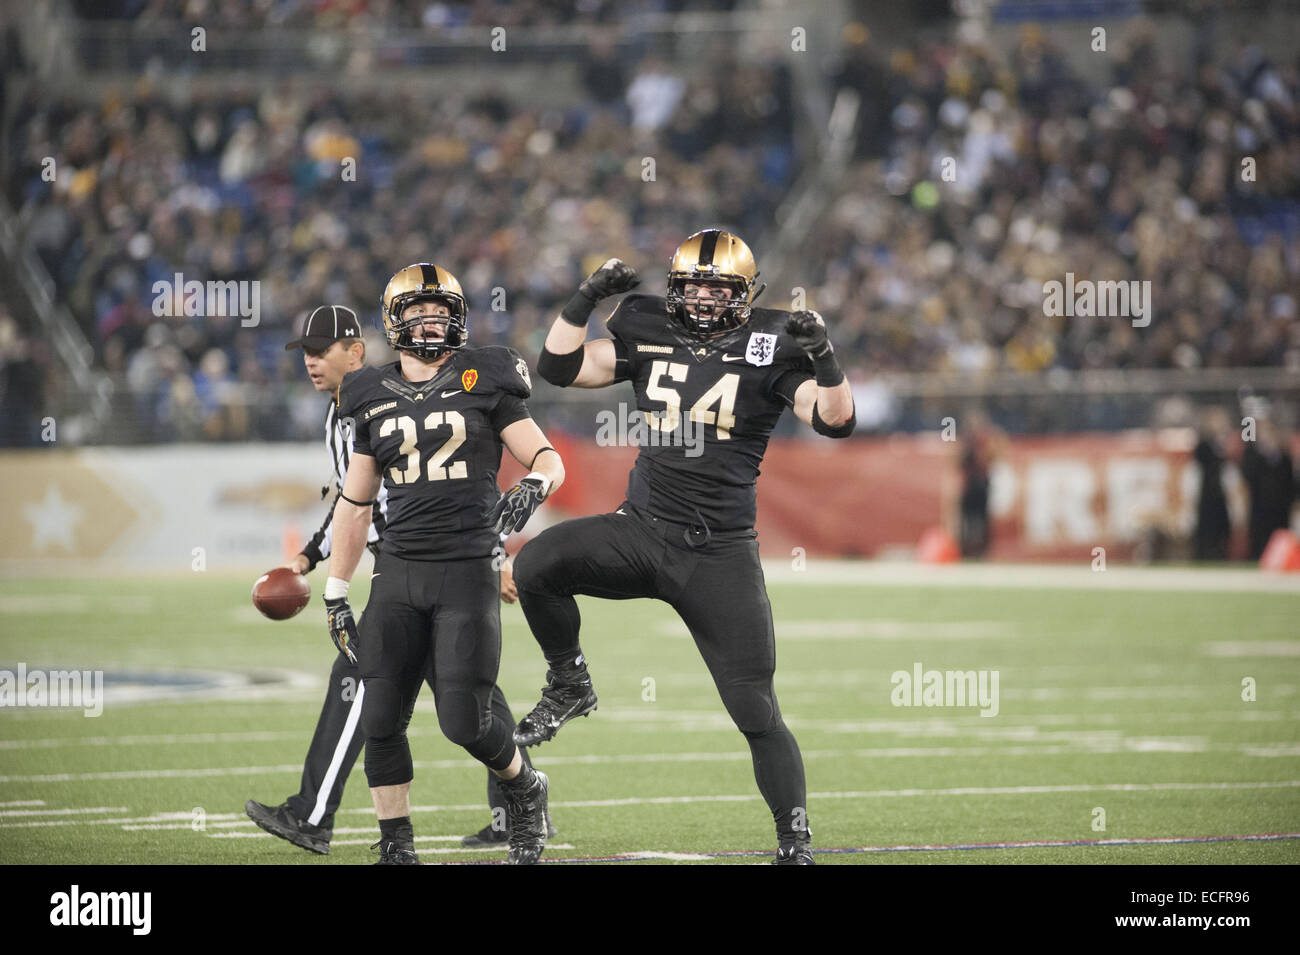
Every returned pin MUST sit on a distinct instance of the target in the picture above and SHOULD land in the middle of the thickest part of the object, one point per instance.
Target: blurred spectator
(1210, 538)
(1267, 469)
(653, 95)
(980, 442)
(22, 386)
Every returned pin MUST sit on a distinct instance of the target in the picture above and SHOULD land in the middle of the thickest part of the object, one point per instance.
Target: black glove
(343, 629)
(809, 332)
(517, 505)
(612, 278)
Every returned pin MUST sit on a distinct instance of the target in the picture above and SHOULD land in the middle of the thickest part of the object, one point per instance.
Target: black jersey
(710, 407)
(437, 444)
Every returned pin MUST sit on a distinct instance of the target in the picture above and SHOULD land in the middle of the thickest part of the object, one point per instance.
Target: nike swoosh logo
(448, 394)
(733, 357)
(373, 576)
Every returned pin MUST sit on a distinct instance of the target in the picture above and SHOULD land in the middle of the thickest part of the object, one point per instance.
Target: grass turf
(1126, 701)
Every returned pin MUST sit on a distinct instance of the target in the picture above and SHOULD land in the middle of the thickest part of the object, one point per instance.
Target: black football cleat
(395, 853)
(794, 855)
(487, 837)
(560, 703)
(280, 821)
(526, 811)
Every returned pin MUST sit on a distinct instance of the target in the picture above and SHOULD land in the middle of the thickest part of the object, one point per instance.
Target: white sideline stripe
(24, 802)
(155, 774)
(878, 793)
(251, 736)
(751, 797)
(214, 819)
(633, 714)
(336, 761)
(1025, 740)
(61, 812)
(1073, 576)
(132, 827)
(1253, 648)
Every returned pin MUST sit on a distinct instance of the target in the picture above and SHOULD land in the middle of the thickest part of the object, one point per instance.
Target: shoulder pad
(639, 318)
(357, 388)
(499, 369)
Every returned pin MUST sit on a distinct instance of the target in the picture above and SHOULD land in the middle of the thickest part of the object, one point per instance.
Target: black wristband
(313, 555)
(826, 368)
(539, 454)
(578, 309)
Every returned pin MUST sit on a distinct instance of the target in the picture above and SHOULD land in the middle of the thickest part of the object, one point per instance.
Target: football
(280, 593)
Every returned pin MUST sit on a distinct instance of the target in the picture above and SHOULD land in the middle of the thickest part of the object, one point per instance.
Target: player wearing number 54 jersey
(432, 427)
(712, 373)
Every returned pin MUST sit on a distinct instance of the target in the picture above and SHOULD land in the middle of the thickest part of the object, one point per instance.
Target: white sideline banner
(179, 507)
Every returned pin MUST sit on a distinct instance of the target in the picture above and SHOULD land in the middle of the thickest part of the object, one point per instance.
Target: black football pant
(715, 583)
(440, 621)
(338, 741)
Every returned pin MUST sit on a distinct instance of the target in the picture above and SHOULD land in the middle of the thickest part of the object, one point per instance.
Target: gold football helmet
(712, 255)
(419, 283)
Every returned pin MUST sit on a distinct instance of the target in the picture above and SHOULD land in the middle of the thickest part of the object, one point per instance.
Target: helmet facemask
(407, 334)
(706, 317)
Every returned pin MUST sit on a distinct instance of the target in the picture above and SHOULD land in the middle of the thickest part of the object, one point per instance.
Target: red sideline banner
(1050, 498)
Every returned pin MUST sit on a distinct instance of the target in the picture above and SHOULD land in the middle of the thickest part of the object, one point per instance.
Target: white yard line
(1077, 575)
(11, 813)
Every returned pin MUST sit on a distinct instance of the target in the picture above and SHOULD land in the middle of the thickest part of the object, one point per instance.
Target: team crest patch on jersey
(469, 379)
(761, 348)
(521, 366)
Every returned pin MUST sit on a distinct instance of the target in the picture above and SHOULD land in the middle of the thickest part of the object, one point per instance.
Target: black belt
(697, 534)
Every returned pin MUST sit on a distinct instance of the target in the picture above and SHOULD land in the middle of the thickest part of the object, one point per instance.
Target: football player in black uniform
(701, 358)
(431, 426)
(332, 346)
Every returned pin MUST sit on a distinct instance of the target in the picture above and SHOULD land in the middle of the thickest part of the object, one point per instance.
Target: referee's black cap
(326, 325)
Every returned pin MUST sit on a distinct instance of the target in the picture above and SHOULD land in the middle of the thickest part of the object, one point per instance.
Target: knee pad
(753, 710)
(535, 566)
(388, 761)
(381, 711)
(462, 718)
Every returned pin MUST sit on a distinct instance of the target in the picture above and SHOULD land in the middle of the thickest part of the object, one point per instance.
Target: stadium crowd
(918, 267)
(1139, 180)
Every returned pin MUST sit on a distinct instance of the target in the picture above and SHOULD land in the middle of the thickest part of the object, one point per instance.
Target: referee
(332, 346)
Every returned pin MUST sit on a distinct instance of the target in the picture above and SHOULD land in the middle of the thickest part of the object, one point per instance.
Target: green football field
(1121, 733)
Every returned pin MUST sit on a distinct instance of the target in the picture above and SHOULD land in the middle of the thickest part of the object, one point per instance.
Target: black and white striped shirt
(339, 443)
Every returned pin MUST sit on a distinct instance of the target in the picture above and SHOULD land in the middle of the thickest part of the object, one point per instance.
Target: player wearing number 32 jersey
(712, 374)
(432, 427)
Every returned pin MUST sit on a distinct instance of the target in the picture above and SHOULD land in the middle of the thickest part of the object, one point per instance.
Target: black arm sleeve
(560, 370)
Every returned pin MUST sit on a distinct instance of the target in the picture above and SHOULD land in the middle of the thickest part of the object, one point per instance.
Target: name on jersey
(378, 409)
(657, 349)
